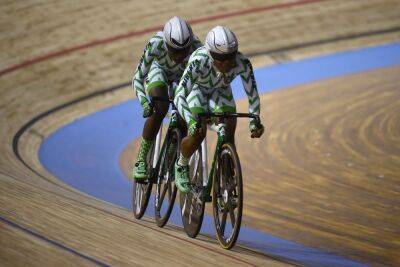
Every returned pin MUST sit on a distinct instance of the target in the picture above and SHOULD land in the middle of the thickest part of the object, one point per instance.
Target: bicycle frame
(158, 140)
(157, 149)
(208, 177)
(156, 158)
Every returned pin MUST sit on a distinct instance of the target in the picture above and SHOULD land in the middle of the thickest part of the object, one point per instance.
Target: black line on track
(31, 122)
(54, 243)
(325, 41)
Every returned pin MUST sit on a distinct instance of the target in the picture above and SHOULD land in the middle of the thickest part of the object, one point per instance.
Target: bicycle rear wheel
(166, 188)
(141, 191)
(192, 204)
(227, 196)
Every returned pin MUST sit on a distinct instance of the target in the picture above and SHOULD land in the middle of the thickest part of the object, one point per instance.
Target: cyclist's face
(178, 56)
(226, 65)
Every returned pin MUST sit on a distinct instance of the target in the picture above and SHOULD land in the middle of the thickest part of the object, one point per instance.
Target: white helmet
(221, 41)
(177, 33)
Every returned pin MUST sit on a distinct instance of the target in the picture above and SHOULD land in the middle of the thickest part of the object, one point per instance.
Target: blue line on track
(85, 153)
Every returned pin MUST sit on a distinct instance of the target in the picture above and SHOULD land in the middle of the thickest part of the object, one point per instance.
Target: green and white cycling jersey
(156, 68)
(202, 76)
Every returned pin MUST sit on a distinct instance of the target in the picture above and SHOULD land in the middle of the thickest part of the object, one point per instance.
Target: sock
(183, 161)
(144, 149)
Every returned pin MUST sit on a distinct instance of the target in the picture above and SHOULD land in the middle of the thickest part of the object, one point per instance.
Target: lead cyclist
(162, 63)
(205, 86)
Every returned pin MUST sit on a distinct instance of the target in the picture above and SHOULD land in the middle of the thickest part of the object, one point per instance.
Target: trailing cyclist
(162, 63)
(205, 86)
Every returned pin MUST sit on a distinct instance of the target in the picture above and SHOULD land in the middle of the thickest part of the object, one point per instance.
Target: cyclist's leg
(181, 124)
(156, 85)
(222, 101)
(153, 123)
(197, 104)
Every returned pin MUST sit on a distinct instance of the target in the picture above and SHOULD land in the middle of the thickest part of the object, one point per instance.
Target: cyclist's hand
(194, 127)
(256, 129)
(147, 109)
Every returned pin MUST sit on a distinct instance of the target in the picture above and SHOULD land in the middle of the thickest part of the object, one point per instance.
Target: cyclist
(161, 64)
(205, 86)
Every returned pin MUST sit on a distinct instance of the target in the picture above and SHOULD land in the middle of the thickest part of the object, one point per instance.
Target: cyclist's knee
(160, 108)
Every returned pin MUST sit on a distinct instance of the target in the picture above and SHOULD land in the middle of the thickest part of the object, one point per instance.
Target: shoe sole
(140, 177)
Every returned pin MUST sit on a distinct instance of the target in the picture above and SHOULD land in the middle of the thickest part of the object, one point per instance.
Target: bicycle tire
(142, 190)
(166, 179)
(192, 204)
(227, 196)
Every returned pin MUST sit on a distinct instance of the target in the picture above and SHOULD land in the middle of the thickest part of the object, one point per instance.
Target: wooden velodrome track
(332, 178)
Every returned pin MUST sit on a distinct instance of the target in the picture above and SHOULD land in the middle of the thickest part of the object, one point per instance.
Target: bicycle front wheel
(166, 188)
(142, 190)
(227, 196)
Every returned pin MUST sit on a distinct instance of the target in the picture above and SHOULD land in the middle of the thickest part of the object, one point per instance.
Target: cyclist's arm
(150, 52)
(250, 86)
(183, 89)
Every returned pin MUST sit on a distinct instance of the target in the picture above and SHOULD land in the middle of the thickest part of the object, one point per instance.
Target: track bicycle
(223, 186)
(161, 171)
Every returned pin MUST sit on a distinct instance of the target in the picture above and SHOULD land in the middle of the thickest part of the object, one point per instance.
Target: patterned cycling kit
(203, 88)
(156, 68)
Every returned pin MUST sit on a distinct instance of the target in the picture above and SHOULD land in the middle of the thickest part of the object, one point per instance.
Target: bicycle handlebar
(212, 114)
(230, 115)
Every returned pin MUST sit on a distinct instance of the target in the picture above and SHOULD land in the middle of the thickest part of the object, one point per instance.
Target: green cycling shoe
(140, 171)
(182, 178)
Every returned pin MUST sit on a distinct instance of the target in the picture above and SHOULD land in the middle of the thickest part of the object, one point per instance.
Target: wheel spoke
(223, 173)
(196, 166)
(170, 162)
(164, 190)
(231, 186)
(232, 216)
(223, 220)
(169, 186)
(138, 198)
(184, 204)
(190, 212)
